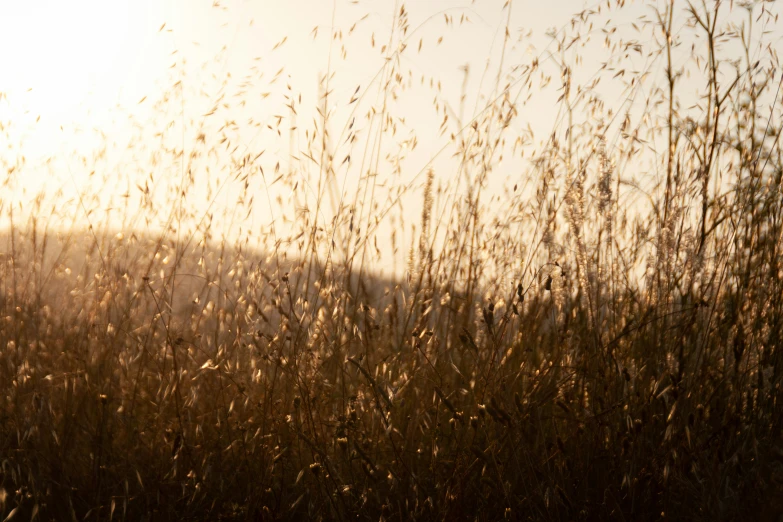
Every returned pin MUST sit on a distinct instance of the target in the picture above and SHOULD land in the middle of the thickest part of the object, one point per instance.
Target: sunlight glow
(56, 54)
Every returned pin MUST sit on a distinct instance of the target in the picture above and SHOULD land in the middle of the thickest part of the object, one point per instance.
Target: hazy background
(102, 99)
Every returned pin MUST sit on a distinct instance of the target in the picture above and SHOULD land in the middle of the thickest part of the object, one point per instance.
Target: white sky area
(73, 73)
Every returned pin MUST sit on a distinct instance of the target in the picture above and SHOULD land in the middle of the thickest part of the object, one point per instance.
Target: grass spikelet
(552, 290)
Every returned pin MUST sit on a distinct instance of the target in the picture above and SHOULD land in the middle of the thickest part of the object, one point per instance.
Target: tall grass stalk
(601, 340)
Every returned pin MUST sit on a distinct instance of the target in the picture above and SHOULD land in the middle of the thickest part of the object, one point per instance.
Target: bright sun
(57, 56)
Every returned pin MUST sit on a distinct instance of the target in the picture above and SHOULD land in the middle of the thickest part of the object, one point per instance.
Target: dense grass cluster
(600, 342)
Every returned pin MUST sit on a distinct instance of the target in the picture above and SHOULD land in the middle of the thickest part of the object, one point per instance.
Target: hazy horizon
(103, 100)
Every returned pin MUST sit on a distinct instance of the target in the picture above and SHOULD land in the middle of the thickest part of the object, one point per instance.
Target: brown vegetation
(582, 348)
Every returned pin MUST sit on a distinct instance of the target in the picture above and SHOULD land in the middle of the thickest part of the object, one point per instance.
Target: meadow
(601, 340)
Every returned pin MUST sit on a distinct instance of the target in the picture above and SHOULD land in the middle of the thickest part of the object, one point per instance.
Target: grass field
(592, 344)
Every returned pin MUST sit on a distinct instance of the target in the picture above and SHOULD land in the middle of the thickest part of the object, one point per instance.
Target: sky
(89, 75)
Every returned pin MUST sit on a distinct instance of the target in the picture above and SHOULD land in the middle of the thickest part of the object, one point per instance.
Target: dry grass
(601, 342)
